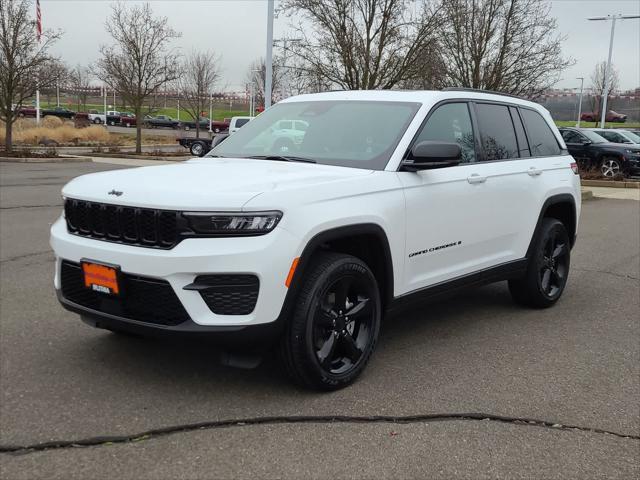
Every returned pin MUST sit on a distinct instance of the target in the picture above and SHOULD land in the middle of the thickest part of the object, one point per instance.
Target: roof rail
(478, 90)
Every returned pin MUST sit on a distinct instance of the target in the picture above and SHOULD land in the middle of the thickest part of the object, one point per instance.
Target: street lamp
(607, 82)
(580, 101)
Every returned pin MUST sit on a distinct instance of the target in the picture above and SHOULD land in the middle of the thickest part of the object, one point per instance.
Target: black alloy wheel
(547, 268)
(554, 265)
(334, 327)
(343, 324)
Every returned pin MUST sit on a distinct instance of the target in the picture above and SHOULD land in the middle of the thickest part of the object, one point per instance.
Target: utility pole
(286, 87)
(268, 77)
(607, 80)
(210, 113)
(580, 100)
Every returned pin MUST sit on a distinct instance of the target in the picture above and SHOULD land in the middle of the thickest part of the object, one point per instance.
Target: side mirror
(587, 142)
(430, 154)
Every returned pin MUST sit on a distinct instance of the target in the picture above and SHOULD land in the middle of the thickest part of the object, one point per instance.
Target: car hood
(203, 184)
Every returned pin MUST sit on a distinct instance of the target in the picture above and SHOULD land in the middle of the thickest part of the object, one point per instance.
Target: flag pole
(39, 34)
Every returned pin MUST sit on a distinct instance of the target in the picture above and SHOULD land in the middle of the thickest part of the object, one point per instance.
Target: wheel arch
(366, 241)
(561, 207)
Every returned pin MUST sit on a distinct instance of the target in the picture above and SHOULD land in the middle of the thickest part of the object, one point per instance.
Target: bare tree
(56, 75)
(141, 61)
(200, 72)
(24, 61)
(80, 82)
(363, 44)
(598, 82)
(257, 75)
(510, 46)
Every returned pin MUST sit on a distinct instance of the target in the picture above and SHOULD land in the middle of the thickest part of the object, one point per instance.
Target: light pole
(210, 112)
(268, 77)
(607, 82)
(580, 100)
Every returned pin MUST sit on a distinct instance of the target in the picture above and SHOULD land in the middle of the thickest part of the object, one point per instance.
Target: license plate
(101, 278)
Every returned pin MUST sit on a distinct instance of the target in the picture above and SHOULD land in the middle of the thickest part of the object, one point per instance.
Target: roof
(420, 96)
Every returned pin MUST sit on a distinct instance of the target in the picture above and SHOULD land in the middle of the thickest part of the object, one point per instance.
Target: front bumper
(268, 257)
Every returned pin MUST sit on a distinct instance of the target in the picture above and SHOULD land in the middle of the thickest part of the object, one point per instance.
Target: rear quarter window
(542, 141)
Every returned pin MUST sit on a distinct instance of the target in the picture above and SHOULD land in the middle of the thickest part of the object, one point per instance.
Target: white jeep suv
(389, 197)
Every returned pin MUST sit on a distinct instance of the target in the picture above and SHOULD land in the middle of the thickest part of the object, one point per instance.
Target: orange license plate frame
(101, 277)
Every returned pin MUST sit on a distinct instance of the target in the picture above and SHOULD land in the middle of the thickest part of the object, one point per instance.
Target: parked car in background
(611, 116)
(199, 147)
(592, 151)
(27, 112)
(127, 119)
(191, 124)
(217, 126)
(112, 117)
(618, 135)
(237, 122)
(60, 112)
(161, 121)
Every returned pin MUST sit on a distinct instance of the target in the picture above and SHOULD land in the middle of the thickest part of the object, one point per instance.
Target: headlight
(632, 152)
(241, 223)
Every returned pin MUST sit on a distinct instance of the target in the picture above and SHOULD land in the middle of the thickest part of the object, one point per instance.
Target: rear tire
(197, 149)
(335, 324)
(548, 267)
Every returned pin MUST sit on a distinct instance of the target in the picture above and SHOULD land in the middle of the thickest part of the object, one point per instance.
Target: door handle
(534, 172)
(475, 178)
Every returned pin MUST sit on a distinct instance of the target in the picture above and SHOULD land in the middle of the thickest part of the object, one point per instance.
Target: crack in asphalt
(619, 275)
(284, 420)
(26, 255)
(32, 206)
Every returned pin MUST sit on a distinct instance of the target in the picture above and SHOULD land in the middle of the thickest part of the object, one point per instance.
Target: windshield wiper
(284, 158)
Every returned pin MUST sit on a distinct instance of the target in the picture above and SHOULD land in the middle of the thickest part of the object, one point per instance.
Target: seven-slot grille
(145, 227)
(143, 299)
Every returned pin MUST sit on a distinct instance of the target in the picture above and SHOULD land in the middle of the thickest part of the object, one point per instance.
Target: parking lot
(470, 387)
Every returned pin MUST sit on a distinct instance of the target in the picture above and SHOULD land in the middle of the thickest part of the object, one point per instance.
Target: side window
(521, 136)
(241, 121)
(541, 139)
(497, 132)
(570, 136)
(451, 122)
(285, 125)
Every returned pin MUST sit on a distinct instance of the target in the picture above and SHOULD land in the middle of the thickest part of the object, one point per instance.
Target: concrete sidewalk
(616, 193)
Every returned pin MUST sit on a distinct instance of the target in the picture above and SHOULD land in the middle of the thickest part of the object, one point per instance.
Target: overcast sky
(237, 30)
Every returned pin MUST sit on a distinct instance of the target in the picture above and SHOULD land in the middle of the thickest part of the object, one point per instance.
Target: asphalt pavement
(470, 387)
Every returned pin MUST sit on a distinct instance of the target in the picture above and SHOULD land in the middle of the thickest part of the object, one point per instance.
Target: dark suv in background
(592, 151)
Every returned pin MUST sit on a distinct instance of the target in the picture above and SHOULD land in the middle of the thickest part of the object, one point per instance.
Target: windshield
(593, 136)
(360, 134)
(632, 136)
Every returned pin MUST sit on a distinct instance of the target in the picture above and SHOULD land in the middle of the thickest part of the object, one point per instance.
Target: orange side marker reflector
(292, 270)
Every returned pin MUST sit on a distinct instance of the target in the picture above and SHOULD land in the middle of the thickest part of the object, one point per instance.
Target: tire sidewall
(347, 266)
(549, 227)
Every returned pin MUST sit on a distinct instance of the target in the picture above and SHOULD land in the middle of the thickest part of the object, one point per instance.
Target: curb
(158, 158)
(609, 183)
(587, 194)
(58, 159)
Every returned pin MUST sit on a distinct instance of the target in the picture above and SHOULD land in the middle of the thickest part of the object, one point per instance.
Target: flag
(38, 19)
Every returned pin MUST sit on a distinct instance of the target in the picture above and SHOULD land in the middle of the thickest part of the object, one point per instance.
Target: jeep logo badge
(114, 192)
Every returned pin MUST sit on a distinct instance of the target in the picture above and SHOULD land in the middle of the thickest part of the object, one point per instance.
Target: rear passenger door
(470, 217)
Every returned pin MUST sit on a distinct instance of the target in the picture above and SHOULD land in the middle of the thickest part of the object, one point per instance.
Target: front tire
(548, 267)
(335, 324)
(610, 167)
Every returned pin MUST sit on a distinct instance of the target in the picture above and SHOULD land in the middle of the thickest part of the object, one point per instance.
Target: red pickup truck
(611, 116)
